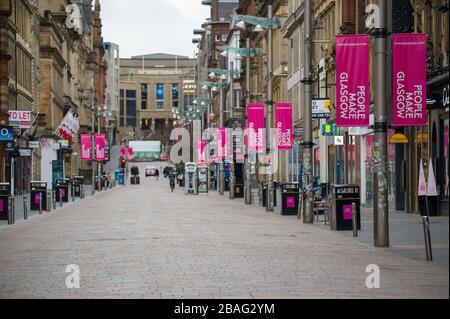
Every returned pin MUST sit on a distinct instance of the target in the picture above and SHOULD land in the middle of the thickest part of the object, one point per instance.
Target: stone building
(19, 86)
(112, 90)
(154, 91)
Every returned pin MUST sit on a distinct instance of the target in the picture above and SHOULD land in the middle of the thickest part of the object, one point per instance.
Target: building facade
(112, 90)
(49, 65)
(154, 90)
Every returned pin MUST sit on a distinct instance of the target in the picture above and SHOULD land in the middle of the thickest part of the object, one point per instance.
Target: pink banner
(283, 126)
(201, 151)
(130, 153)
(100, 147)
(255, 127)
(352, 80)
(85, 141)
(409, 83)
(223, 146)
(123, 152)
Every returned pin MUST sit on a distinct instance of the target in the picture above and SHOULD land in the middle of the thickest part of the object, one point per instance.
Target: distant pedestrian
(157, 174)
(180, 180)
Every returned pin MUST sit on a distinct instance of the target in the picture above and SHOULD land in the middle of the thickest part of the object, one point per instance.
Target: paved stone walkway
(146, 242)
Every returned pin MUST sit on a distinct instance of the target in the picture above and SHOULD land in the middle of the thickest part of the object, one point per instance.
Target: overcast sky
(152, 26)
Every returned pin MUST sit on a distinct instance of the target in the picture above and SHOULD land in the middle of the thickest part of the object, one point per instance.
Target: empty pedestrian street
(143, 241)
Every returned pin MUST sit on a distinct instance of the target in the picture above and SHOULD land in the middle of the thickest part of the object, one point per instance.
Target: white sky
(152, 26)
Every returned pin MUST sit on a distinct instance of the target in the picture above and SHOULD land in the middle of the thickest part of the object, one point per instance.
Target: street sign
(33, 144)
(21, 119)
(338, 140)
(327, 129)
(10, 146)
(321, 108)
(298, 131)
(64, 144)
(25, 152)
(6, 133)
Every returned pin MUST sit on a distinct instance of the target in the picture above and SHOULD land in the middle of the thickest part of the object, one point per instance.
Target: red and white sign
(409, 83)
(20, 118)
(352, 81)
(69, 126)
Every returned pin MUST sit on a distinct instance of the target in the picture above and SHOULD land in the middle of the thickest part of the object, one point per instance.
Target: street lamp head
(214, 89)
(223, 77)
(258, 28)
(224, 53)
(238, 56)
(204, 87)
(212, 75)
(241, 25)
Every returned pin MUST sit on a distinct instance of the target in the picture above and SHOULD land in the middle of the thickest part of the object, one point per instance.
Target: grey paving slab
(142, 241)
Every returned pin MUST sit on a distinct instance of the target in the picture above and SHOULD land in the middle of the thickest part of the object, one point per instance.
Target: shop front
(437, 148)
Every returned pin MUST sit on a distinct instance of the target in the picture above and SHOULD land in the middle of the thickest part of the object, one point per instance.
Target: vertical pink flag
(352, 80)
(100, 147)
(85, 141)
(409, 83)
(201, 151)
(255, 127)
(123, 152)
(283, 126)
(130, 153)
(222, 143)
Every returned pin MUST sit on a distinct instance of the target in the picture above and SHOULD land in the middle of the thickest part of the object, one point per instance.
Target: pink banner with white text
(100, 147)
(123, 152)
(352, 80)
(85, 141)
(223, 145)
(130, 153)
(255, 127)
(201, 151)
(283, 126)
(409, 83)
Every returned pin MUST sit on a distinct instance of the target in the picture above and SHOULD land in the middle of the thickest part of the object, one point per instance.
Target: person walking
(157, 174)
(172, 177)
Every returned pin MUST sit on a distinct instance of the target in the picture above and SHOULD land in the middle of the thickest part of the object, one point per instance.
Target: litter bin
(5, 192)
(264, 193)
(77, 182)
(121, 179)
(38, 187)
(343, 196)
(289, 193)
(62, 189)
(239, 190)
